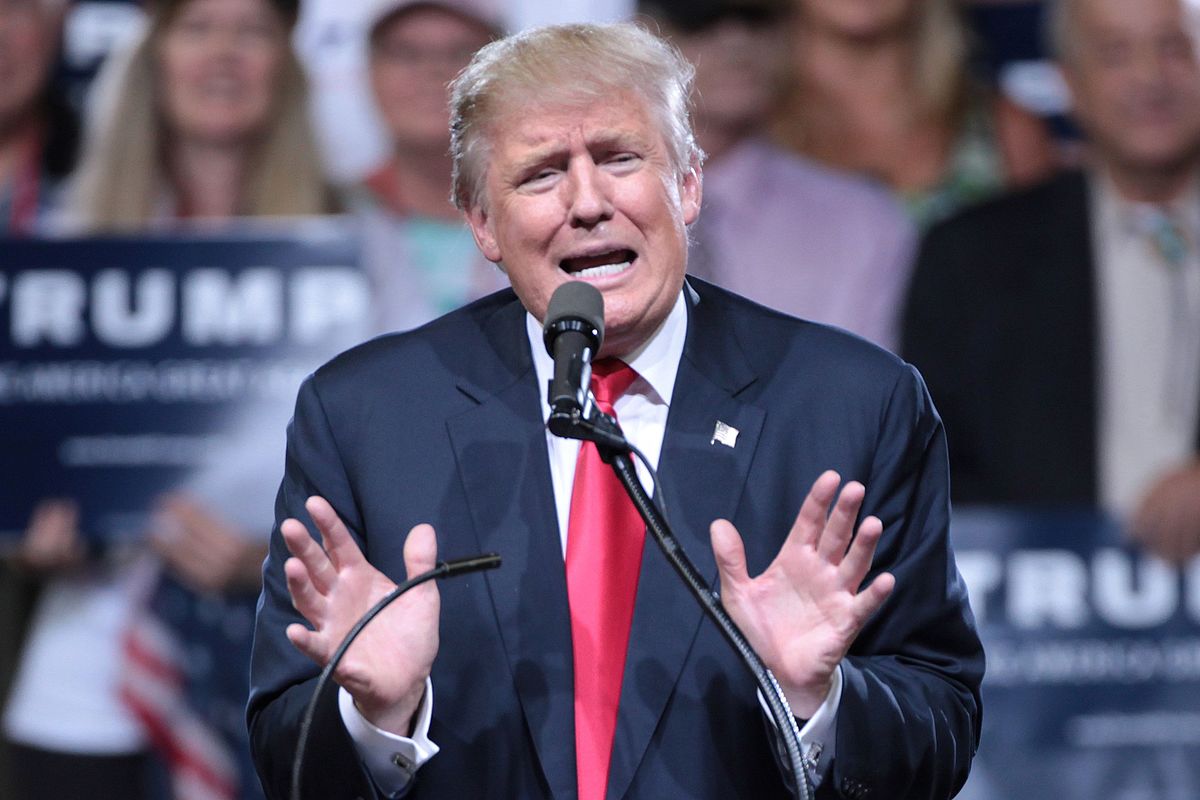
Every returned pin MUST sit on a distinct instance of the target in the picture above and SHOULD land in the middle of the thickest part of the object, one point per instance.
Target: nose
(589, 199)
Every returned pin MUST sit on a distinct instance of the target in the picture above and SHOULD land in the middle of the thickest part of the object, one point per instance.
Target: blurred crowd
(861, 170)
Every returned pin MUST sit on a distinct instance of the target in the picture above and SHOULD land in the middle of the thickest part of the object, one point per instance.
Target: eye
(1113, 53)
(1177, 46)
(623, 160)
(539, 178)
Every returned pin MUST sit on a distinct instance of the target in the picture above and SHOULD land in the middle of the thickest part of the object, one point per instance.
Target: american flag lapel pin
(725, 434)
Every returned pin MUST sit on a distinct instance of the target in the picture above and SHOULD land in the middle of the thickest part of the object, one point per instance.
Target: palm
(802, 614)
(385, 669)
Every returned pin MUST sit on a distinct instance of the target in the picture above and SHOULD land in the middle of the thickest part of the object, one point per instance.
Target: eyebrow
(601, 140)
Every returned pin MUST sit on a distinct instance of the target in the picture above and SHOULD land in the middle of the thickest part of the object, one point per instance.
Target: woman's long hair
(122, 176)
(941, 67)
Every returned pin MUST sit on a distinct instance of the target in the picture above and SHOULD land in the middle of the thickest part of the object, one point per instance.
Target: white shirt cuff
(391, 760)
(818, 737)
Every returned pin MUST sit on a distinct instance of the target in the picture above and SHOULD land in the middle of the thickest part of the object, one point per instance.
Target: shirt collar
(656, 361)
(1133, 218)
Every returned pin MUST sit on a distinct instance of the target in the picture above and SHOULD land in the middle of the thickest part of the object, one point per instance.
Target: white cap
(486, 12)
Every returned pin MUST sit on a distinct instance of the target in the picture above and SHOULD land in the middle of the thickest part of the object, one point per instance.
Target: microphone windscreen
(575, 300)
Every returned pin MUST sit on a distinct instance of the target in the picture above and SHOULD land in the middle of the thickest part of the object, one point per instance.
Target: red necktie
(604, 556)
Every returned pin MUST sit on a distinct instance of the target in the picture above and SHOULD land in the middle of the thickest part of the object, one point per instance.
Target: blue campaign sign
(1093, 650)
(133, 366)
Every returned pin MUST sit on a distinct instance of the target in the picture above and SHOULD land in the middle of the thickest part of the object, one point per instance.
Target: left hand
(802, 614)
(1167, 522)
(204, 551)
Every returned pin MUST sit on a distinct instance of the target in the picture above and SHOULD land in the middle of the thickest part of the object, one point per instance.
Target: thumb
(420, 550)
(729, 552)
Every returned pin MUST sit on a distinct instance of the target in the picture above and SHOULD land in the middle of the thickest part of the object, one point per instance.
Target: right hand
(52, 542)
(386, 667)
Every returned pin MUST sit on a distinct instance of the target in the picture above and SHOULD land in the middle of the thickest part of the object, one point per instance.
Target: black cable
(444, 569)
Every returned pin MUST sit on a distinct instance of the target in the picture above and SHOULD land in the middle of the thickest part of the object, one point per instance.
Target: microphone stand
(595, 426)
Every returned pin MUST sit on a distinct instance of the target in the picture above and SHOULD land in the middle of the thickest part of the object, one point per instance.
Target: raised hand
(204, 550)
(1167, 521)
(802, 614)
(332, 587)
(52, 542)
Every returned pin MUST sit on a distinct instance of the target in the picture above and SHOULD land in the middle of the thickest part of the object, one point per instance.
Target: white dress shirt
(392, 760)
(1149, 329)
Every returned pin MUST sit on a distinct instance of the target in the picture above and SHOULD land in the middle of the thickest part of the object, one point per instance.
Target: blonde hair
(941, 71)
(943, 50)
(122, 174)
(570, 65)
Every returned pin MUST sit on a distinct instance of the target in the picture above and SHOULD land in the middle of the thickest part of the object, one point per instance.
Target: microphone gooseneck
(444, 569)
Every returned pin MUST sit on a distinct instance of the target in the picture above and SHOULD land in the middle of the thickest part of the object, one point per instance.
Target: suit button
(854, 789)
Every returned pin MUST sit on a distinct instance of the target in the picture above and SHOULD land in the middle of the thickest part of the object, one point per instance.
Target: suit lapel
(501, 452)
(702, 480)
(1075, 311)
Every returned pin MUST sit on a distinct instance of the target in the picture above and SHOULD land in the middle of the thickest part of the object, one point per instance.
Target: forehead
(555, 127)
(1122, 17)
(422, 20)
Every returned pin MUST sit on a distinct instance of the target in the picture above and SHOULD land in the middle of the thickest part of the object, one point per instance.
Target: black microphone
(573, 331)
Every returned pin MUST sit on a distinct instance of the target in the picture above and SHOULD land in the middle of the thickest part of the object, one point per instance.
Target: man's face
(1135, 81)
(414, 55)
(587, 192)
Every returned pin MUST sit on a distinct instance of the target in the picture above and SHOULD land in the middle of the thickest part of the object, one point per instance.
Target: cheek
(179, 65)
(264, 69)
(389, 84)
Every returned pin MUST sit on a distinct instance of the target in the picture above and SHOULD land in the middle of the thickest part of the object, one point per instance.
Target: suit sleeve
(909, 720)
(281, 678)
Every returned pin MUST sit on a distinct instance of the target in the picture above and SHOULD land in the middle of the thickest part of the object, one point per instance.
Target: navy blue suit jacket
(444, 425)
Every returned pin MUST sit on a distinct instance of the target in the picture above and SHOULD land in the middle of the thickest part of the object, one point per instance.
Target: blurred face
(414, 56)
(587, 193)
(28, 42)
(739, 69)
(859, 19)
(1135, 82)
(220, 62)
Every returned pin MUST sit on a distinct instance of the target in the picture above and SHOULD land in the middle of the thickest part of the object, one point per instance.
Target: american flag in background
(187, 678)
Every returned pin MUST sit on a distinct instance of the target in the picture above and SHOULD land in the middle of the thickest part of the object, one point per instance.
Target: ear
(691, 191)
(481, 228)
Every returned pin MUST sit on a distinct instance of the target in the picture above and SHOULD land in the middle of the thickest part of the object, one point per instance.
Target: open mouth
(598, 265)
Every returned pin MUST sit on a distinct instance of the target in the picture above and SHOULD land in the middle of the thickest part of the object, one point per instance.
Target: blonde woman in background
(209, 121)
(882, 87)
(204, 121)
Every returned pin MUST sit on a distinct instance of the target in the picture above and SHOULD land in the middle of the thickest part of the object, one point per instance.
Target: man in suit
(575, 160)
(1059, 327)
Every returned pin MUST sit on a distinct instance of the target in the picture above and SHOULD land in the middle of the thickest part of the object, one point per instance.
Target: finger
(420, 550)
(858, 560)
(311, 603)
(730, 554)
(835, 538)
(872, 598)
(300, 544)
(810, 521)
(206, 527)
(339, 545)
(307, 642)
(1177, 534)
